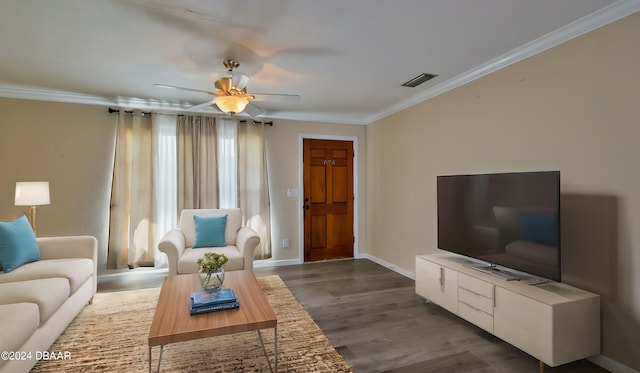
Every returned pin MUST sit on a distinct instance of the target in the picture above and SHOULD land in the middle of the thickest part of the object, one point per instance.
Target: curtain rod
(258, 122)
(143, 113)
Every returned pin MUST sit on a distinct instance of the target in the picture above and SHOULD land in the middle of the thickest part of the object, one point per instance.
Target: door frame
(354, 141)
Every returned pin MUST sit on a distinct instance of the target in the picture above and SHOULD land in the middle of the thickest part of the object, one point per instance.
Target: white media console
(553, 322)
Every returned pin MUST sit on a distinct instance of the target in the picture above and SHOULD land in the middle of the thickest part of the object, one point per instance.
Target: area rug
(111, 336)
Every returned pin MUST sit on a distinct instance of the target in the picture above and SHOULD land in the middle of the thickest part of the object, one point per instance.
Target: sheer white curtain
(165, 202)
(254, 184)
(228, 162)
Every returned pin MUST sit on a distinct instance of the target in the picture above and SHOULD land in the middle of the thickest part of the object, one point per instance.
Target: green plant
(212, 262)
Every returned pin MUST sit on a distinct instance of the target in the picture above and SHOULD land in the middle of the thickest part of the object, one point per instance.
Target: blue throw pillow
(541, 228)
(17, 244)
(210, 231)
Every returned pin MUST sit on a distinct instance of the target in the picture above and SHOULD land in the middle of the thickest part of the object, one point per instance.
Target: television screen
(506, 219)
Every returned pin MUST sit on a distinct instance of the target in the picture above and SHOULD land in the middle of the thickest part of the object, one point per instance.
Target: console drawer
(475, 300)
(475, 285)
(476, 316)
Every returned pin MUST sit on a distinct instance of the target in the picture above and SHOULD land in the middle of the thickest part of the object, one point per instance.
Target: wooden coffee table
(172, 321)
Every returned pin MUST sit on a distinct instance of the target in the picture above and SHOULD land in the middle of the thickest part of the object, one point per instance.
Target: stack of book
(204, 302)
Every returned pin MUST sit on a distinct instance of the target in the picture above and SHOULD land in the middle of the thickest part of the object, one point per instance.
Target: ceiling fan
(231, 93)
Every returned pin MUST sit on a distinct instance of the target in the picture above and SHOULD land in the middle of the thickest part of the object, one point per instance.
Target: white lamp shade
(32, 193)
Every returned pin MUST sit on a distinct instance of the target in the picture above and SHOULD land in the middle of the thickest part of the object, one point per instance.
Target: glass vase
(211, 281)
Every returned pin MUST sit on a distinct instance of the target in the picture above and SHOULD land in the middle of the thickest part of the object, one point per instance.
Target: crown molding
(314, 117)
(9, 90)
(29, 93)
(593, 21)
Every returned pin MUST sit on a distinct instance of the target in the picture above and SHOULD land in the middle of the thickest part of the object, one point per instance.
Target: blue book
(213, 308)
(203, 298)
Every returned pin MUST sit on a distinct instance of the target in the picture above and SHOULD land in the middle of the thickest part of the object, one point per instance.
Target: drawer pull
(493, 296)
(470, 306)
(473, 292)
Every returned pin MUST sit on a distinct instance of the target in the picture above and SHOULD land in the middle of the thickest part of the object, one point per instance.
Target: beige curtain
(253, 184)
(197, 164)
(131, 228)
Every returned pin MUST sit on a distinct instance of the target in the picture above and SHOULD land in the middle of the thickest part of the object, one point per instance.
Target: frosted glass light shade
(231, 104)
(32, 193)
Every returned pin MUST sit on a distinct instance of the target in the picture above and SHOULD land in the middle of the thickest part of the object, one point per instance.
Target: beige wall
(285, 167)
(574, 108)
(71, 146)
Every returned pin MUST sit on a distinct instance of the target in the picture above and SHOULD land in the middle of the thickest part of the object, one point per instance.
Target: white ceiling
(346, 59)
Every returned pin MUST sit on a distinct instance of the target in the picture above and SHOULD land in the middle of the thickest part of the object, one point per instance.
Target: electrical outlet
(285, 243)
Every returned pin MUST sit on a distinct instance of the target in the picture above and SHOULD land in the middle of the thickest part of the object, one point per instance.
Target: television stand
(493, 270)
(555, 323)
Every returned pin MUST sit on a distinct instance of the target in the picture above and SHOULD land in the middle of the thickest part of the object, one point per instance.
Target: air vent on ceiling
(418, 80)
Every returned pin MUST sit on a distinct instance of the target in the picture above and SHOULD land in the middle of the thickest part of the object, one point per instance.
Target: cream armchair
(182, 258)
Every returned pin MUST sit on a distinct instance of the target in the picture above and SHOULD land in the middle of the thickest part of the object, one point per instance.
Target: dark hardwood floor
(376, 321)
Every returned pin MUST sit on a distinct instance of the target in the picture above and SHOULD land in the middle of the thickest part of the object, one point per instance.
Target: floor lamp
(32, 193)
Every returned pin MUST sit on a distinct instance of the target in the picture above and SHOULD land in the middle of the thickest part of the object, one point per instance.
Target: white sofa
(38, 300)
(182, 258)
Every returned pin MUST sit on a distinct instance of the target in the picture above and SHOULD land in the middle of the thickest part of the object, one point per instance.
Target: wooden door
(328, 199)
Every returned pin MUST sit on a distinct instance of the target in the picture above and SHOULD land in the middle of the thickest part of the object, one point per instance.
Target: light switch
(292, 192)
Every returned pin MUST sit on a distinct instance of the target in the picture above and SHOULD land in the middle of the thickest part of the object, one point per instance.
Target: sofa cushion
(188, 261)
(75, 270)
(187, 225)
(18, 321)
(17, 244)
(209, 231)
(48, 294)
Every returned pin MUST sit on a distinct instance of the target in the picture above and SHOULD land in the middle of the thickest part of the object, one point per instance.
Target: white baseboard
(275, 263)
(611, 365)
(391, 266)
(287, 262)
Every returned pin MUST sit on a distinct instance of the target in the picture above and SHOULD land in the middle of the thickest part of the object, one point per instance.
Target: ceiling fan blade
(276, 97)
(201, 106)
(182, 88)
(253, 110)
(239, 80)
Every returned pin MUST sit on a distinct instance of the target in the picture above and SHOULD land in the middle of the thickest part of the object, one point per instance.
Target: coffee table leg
(264, 350)
(159, 358)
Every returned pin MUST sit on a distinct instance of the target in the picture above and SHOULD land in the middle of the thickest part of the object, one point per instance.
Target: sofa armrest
(68, 247)
(246, 242)
(172, 244)
(71, 247)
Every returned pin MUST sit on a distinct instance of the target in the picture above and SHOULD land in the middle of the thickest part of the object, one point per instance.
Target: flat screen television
(504, 219)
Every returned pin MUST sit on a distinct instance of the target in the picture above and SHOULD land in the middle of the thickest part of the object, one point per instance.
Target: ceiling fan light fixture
(231, 104)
